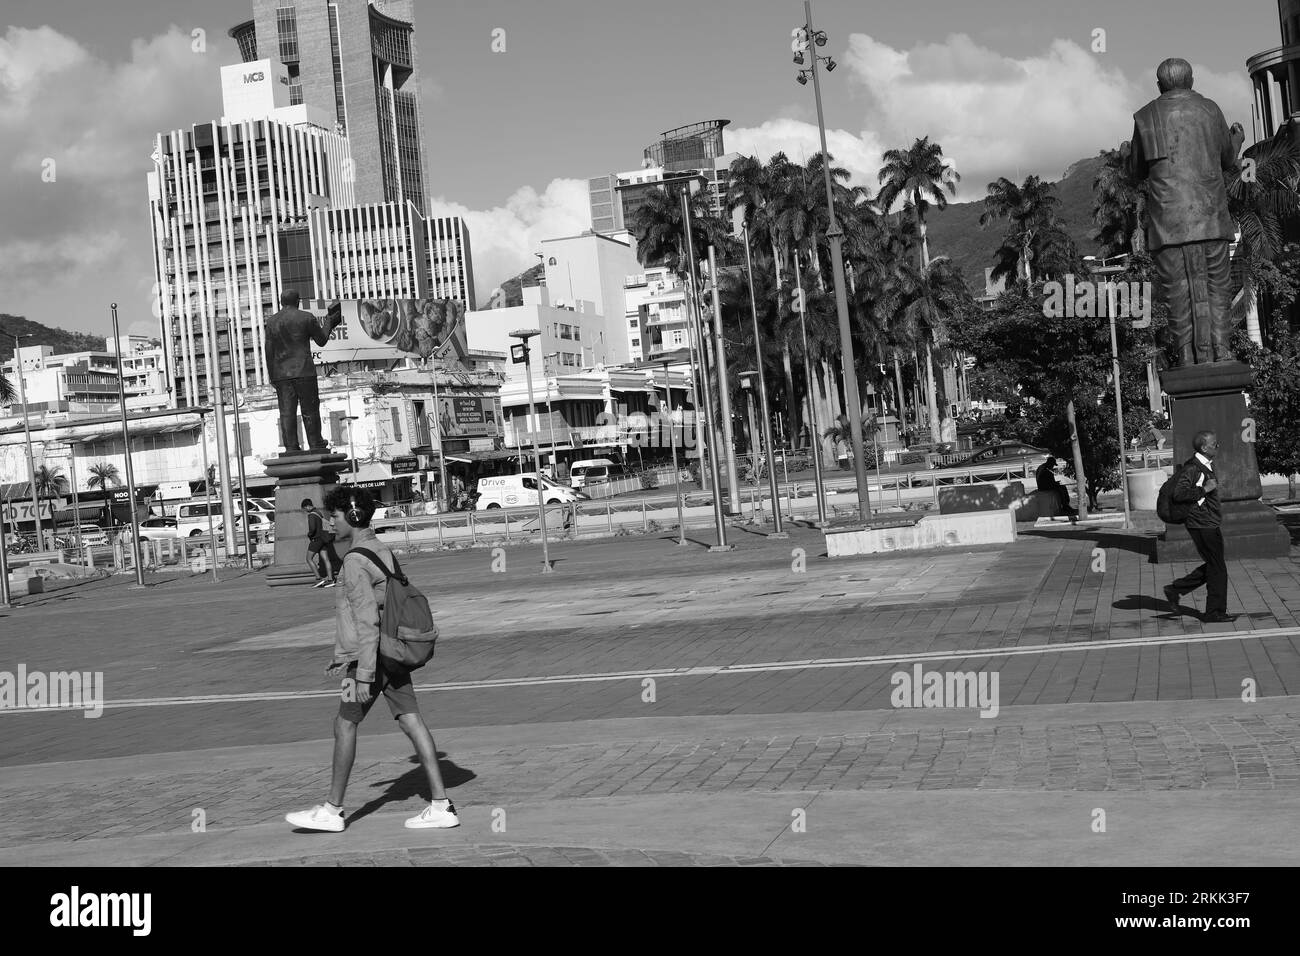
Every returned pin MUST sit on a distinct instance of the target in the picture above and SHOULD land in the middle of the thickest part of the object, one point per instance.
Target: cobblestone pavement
(768, 679)
(505, 855)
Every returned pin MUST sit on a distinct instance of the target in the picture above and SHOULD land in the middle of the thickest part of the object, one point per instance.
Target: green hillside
(60, 339)
(956, 233)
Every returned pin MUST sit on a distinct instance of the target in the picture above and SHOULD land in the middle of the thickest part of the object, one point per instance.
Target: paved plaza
(649, 704)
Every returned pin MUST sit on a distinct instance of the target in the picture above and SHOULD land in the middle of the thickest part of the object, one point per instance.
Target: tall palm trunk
(791, 403)
(932, 391)
(898, 381)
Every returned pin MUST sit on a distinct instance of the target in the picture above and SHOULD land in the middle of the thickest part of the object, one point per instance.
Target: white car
(159, 529)
(258, 523)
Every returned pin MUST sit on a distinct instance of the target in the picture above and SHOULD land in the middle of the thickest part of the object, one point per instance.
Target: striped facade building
(368, 252)
(390, 251)
(448, 260)
(229, 209)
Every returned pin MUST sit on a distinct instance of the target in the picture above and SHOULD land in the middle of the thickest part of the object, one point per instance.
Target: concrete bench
(964, 499)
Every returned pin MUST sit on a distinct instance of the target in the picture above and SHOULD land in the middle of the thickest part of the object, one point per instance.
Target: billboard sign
(468, 416)
(16, 511)
(405, 465)
(388, 330)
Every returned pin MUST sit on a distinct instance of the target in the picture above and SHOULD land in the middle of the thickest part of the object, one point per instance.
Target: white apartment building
(572, 336)
(594, 268)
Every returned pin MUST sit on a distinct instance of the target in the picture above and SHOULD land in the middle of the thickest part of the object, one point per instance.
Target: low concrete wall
(932, 531)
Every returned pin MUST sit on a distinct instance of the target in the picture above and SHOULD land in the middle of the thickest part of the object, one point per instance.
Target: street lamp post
(677, 474)
(126, 450)
(724, 389)
(27, 437)
(522, 352)
(693, 304)
(243, 486)
(443, 497)
(207, 493)
(769, 449)
(812, 403)
(835, 235)
(352, 452)
(550, 412)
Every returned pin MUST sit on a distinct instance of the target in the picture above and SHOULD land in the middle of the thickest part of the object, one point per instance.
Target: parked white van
(513, 491)
(192, 517)
(590, 470)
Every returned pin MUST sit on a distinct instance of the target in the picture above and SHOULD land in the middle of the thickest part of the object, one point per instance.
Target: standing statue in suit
(289, 334)
(1182, 147)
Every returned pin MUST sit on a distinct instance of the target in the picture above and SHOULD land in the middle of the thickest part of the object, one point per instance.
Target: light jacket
(357, 603)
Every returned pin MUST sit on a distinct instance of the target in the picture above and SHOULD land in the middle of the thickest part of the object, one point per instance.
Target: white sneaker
(320, 584)
(431, 817)
(317, 818)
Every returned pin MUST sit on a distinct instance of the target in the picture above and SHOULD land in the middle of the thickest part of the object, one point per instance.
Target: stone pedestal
(298, 476)
(1212, 397)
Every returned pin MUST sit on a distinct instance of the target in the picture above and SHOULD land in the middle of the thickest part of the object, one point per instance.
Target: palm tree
(1119, 206)
(919, 175)
(1031, 210)
(1260, 207)
(660, 239)
(7, 391)
(50, 482)
(104, 475)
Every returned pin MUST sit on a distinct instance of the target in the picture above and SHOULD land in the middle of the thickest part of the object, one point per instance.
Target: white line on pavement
(708, 671)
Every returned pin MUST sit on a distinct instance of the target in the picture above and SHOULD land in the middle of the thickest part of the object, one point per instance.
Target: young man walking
(1197, 486)
(358, 605)
(320, 547)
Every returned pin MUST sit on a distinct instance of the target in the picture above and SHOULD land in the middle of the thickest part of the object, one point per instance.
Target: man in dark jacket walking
(1197, 487)
(289, 334)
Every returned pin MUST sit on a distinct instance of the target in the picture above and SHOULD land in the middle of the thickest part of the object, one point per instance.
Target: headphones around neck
(353, 514)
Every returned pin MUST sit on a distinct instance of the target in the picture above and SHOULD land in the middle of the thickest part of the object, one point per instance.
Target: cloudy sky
(1008, 87)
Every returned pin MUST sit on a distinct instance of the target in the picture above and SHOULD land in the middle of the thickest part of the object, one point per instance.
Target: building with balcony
(1275, 76)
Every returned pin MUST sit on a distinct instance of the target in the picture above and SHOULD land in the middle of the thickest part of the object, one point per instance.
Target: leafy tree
(1275, 406)
(1261, 205)
(1039, 363)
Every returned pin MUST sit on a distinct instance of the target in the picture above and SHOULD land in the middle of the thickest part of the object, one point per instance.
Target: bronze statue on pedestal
(1182, 146)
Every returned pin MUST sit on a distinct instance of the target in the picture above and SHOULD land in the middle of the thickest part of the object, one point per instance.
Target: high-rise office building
(356, 61)
(229, 205)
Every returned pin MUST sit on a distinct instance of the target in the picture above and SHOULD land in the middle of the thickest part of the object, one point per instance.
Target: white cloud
(994, 115)
(503, 239)
(96, 120)
(859, 154)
